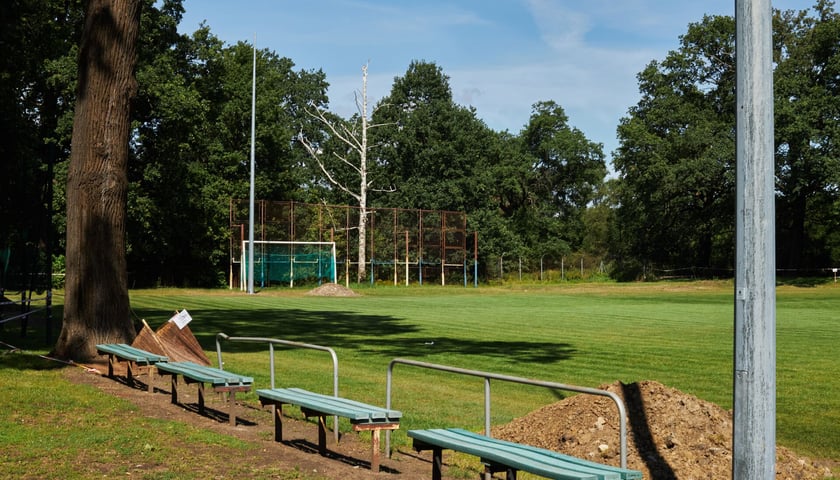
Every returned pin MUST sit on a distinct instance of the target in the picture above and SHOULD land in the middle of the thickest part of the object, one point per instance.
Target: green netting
(283, 263)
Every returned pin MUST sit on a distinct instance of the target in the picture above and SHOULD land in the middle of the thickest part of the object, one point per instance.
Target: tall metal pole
(754, 430)
(251, 205)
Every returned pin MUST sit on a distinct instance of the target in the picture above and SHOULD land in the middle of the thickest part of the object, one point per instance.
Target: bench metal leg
(437, 463)
(201, 398)
(174, 388)
(278, 422)
(129, 375)
(111, 360)
(322, 434)
(491, 468)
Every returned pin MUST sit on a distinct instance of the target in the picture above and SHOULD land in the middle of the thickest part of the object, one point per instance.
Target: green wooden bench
(222, 382)
(363, 417)
(500, 455)
(134, 358)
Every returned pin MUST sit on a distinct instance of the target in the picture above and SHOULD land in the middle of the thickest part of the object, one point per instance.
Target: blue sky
(501, 56)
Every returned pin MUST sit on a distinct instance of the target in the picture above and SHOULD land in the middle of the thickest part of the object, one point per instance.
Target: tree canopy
(541, 191)
(676, 160)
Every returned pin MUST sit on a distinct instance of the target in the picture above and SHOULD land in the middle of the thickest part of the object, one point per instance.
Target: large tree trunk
(96, 306)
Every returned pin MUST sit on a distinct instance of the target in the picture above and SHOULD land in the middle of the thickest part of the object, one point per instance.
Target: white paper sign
(181, 318)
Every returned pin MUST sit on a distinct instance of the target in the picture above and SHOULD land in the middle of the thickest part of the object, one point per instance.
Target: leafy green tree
(440, 156)
(526, 194)
(675, 191)
(433, 150)
(192, 148)
(566, 170)
(807, 107)
(675, 162)
(37, 90)
(599, 221)
(507, 179)
(167, 224)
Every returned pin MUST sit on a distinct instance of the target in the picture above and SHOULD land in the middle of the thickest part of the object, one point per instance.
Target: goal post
(287, 262)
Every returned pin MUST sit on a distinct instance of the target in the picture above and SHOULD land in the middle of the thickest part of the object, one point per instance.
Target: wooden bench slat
(442, 439)
(221, 380)
(362, 416)
(624, 473)
(204, 374)
(545, 458)
(528, 450)
(521, 457)
(355, 411)
(130, 353)
(121, 352)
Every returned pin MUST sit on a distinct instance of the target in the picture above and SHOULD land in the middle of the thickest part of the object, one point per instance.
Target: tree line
(542, 191)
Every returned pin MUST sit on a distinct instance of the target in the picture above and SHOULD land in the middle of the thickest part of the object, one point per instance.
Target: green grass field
(679, 334)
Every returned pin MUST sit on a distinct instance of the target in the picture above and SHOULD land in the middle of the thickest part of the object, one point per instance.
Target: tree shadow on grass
(384, 335)
(514, 351)
(20, 360)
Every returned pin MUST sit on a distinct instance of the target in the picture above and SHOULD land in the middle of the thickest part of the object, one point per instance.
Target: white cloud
(501, 56)
(561, 28)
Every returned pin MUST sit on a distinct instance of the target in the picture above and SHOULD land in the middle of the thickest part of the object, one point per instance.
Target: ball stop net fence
(402, 246)
(283, 262)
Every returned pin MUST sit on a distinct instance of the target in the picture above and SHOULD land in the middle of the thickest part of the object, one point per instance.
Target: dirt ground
(671, 435)
(332, 290)
(350, 459)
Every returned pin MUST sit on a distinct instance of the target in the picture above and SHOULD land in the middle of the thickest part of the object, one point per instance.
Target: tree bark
(363, 184)
(96, 307)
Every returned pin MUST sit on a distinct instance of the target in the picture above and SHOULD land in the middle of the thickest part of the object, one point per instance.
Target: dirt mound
(332, 290)
(671, 435)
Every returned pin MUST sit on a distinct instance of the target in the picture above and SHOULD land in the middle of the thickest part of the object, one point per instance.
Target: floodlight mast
(251, 204)
(754, 399)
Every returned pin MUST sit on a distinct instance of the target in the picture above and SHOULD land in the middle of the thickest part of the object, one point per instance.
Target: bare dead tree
(357, 142)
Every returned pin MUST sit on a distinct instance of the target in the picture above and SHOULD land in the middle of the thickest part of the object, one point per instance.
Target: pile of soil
(332, 290)
(671, 435)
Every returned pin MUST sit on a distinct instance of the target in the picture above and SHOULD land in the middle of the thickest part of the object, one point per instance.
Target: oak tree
(96, 306)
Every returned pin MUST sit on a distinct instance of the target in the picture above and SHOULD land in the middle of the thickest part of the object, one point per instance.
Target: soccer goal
(278, 262)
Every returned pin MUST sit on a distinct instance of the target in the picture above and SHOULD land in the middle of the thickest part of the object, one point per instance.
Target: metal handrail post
(622, 412)
(276, 341)
(487, 432)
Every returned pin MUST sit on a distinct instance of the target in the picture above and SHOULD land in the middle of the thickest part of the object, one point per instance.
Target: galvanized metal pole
(251, 203)
(754, 432)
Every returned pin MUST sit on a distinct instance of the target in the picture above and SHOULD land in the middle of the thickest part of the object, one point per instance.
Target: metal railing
(622, 413)
(26, 312)
(276, 341)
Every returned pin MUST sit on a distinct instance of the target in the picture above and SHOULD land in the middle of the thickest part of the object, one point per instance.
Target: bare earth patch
(332, 290)
(350, 459)
(671, 435)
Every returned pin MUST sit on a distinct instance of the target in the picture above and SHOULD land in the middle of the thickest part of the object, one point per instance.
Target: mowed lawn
(679, 334)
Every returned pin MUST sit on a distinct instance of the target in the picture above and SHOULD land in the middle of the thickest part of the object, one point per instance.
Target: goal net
(277, 262)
